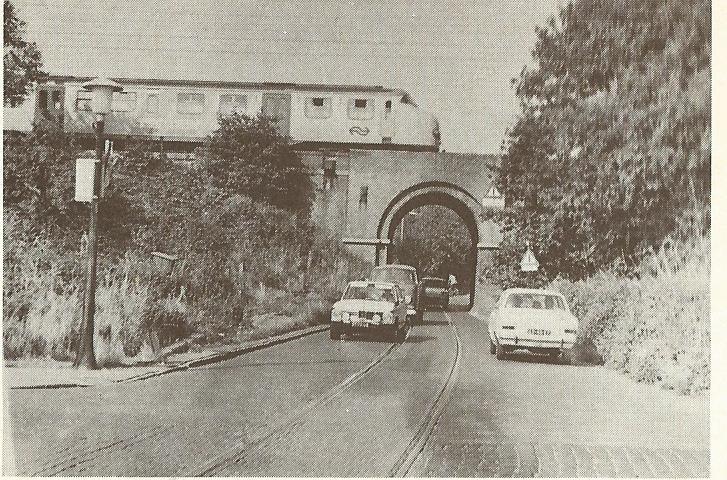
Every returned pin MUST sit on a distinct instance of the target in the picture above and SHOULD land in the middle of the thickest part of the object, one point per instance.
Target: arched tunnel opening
(437, 234)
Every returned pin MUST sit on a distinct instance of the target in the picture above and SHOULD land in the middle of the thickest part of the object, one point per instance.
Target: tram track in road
(254, 457)
(416, 446)
(98, 453)
(221, 461)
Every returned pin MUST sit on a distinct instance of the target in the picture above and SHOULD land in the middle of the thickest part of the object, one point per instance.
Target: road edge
(222, 356)
(196, 362)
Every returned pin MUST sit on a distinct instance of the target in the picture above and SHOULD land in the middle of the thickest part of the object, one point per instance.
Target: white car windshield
(395, 275)
(538, 301)
(369, 292)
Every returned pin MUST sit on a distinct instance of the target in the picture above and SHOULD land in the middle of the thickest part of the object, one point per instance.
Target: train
(182, 113)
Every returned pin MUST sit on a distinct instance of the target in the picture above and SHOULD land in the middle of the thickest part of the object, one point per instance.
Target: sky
(456, 59)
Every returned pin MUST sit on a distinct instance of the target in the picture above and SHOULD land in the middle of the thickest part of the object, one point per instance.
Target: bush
(247, 156)
(655, 327)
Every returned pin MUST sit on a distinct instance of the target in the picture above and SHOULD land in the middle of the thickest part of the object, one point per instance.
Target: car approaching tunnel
(434, 293)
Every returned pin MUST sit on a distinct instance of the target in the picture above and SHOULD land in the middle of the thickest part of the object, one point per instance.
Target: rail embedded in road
(414, 449)
(229, 456)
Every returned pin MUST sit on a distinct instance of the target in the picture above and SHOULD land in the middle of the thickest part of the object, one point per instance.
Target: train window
(318, 107)
(43, 99)
(232, 103)
(123, 101)
(83, 101)
(191, 103)
(360, 109)
(152, 103)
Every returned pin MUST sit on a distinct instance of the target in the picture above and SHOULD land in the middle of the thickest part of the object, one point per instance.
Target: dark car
(435, 293)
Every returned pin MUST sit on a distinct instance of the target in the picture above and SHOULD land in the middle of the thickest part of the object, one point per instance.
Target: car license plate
(538, 331)
(358, 323)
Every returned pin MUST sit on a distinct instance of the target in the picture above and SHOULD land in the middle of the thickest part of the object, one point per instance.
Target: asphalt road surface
(437, 405)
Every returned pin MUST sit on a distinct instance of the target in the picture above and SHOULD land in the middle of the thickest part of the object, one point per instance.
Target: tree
(248, 156)
(613, 140)
(436, 242)
(21, 61)
(38, 170)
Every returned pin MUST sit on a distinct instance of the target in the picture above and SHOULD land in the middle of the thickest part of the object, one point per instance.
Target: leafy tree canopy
(436, 242)
(612, 144)
(247, 156)
(21, 61)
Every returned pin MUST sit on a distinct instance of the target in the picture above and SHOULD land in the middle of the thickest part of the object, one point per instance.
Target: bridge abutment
(361, 196)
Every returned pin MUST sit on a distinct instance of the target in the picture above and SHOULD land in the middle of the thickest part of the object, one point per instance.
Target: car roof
(395, 265)
(540, 291)
(363, 283)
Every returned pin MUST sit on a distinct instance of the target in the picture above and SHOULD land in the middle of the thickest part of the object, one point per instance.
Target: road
(319, 407)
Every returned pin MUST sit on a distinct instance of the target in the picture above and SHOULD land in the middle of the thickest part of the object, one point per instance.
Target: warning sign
(529, 263)
(493, 198)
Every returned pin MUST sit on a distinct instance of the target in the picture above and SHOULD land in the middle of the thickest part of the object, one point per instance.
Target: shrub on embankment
(235, 285)
(246, 268)
(654, 326)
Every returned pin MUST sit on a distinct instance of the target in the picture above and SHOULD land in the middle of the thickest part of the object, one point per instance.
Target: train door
(49, 103)
(277, 106)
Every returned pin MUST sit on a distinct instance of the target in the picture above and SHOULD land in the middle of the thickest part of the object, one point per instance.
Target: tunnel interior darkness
(444, 200)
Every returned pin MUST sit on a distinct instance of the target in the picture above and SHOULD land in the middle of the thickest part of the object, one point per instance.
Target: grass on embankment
(656, 327)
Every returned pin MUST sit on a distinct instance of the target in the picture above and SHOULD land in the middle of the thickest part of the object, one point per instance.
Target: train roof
(315, 87)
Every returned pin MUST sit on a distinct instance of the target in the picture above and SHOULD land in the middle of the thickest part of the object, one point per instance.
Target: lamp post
(102, 90)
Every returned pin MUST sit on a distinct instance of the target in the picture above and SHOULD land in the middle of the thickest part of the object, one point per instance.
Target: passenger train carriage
(184, 112)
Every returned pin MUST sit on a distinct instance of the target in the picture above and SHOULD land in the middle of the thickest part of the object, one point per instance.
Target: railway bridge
(363, 195)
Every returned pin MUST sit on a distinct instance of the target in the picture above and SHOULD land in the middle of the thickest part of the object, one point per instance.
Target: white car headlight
(345, 316)
(376, 318)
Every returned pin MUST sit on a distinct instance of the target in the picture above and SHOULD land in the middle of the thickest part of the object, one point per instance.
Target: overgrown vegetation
(607, 173)
(656, 326)
(613, 141)
(436, 241)
(241, 259)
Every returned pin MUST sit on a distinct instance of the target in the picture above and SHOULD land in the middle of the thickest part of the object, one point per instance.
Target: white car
(535, 320)
(368, 306)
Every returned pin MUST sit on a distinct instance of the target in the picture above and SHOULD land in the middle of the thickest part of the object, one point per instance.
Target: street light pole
(102, 90)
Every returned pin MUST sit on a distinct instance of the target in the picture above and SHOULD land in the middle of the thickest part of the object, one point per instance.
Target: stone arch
(432, 193)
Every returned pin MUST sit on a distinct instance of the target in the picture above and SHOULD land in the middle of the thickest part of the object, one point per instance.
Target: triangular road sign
(529, 263)
(493, 192)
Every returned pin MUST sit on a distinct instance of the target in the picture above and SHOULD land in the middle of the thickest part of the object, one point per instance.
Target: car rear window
(538, 301)
(369, 292)
(396, 275)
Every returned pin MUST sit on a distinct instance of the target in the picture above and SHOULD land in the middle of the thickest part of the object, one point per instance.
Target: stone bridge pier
(362, 196)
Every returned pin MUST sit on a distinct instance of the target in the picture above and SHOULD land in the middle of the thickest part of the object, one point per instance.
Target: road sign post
(529, 264)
